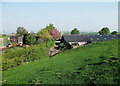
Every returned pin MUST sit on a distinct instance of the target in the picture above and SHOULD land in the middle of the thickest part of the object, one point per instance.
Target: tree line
(103, 31)
(48, 35)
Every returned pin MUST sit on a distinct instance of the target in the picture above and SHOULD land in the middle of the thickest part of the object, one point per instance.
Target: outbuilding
(73, 41)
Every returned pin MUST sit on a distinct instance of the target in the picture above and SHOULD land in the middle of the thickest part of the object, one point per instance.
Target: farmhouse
(73, 41)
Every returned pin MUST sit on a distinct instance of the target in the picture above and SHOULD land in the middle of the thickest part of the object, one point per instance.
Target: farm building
(73, 41)
(17, 39)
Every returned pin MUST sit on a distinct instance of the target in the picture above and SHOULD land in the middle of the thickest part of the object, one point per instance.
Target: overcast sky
(86, 16)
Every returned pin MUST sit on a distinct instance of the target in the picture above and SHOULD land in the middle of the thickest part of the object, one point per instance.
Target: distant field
(4, 36)
(91, 33)
(85, 33)
(92, 64)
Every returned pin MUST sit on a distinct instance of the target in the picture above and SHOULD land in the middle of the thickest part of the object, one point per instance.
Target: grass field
(91, 64)
(90, 33)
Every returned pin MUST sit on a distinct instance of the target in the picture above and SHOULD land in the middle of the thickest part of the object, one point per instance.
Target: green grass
(84, 65)
(4, 36)
(90, 33)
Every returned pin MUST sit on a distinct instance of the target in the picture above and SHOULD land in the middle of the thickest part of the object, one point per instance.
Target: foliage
(50, 28)
(44, 35)
(55, 33)
(50, 43)
(15, 57)
(3, 35)
(29, 39)
(12, 49)
(8, 63)
(35, 52)
(21, 31)
(114, 33)
(62, 47)
(104, 31)
(75, 43)
(75, 31)
(14, 43)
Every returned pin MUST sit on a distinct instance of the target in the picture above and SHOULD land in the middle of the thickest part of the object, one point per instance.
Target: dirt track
(6, 48)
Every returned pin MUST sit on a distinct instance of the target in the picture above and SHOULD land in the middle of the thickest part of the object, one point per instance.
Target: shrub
(14, 53)
(8, 63)
(12, 49)
(29, 39)
(104, 30)
(50, 43)
(35, 52)
(16, 57)
(62, 47)
(114, 33)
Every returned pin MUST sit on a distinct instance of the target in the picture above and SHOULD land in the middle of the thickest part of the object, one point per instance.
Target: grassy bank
(91, 64)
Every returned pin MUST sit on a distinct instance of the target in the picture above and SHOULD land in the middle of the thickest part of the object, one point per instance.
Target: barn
(73, 41)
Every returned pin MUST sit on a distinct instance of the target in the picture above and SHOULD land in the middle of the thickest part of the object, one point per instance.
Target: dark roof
(83, 38)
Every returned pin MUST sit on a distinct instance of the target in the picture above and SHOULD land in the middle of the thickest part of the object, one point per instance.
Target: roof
(83, 38)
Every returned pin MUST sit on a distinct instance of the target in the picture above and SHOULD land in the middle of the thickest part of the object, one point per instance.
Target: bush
(104, 31)
(12, 49)
(62, 47)
(8, 63)
(35, 52)
(16, 57)
(29, 39)
(14, 53)
(114, 33)
(50, 43)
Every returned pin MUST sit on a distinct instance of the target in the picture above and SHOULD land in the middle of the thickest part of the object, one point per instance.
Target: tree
(21, 31)
(44, 35)
(55, 33)
(75, 31)
(50, 28)
(29, 39)
(114, 33)
(104, 31)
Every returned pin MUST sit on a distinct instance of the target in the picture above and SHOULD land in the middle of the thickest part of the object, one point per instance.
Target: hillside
(95, 63)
